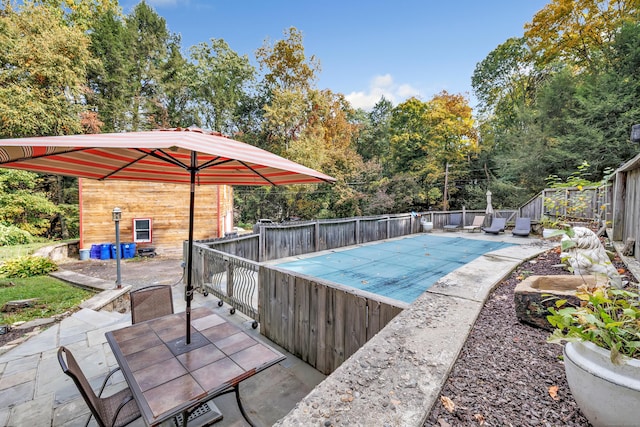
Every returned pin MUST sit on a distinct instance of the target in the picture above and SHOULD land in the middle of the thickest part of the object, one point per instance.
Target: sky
(366, 49)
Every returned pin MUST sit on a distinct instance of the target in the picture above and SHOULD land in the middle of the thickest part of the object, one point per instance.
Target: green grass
(10, 252)
(54, 297)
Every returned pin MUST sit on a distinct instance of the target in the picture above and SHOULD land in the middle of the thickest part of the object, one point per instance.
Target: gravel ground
(507, 374)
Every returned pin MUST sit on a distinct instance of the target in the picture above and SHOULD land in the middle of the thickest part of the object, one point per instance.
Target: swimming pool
(400, 269)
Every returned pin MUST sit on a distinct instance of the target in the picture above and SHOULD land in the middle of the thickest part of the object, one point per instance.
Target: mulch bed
(507, 374)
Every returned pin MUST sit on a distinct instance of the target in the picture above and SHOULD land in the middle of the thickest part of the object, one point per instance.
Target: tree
(108, 78)
(220, 83)
(82, 13)
(178, 106)
(373, 140)
(42, 72)
(579, 31)
(21, 205)
(149, 38)
(286, 66)
(433, 141)
(505, 79)
(288, 77)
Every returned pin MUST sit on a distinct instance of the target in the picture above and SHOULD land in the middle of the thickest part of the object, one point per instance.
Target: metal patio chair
(119, 409)
(150, 302)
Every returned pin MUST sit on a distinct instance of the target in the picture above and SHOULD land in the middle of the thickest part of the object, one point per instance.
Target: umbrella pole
(189, 289)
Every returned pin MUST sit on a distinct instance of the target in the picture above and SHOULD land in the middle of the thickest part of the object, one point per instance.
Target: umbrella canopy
(161, 156)
(182, 155)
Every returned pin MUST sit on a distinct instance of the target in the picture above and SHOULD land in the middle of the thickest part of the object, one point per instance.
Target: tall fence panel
(534, 208)
(319, 322)
(337, 233)
(247, 246)
(284, 241)
(572, 203)
(632, 204)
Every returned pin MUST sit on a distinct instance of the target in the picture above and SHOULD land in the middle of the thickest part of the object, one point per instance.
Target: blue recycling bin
(113, 251)
(105, 251)
(128, 250)
(94, 252)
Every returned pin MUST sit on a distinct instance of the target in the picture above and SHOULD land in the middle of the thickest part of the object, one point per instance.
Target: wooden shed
(626, 204)
(153, 214)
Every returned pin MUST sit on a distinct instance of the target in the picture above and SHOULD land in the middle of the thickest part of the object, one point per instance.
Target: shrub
(13, 235)
(27, 266)
(607, 317)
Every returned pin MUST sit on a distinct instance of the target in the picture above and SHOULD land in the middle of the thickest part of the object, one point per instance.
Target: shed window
(142, 230)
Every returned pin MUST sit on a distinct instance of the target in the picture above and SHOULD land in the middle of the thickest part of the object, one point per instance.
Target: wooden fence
(320, 322)
(275, 241)
(579, 203)
(625, 198)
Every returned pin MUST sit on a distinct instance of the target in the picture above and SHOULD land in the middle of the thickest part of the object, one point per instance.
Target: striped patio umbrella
(182, 155)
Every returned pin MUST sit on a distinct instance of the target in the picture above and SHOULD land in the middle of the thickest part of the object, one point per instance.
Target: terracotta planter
(607, 394)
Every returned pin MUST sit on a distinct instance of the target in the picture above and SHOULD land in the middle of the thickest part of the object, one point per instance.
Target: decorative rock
(16, 305)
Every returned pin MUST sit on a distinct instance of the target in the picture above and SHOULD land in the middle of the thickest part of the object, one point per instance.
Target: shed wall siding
(166, 204)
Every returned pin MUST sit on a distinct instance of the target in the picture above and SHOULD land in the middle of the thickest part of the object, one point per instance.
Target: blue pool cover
(400, 269)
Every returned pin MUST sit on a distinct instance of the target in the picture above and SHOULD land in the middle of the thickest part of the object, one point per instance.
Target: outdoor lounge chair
(522, 227)
(118, 409)
(478, 220)
(497, 226)
(455, 222)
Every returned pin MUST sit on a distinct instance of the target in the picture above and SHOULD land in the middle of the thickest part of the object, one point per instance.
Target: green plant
(607, 317)
(12, 235)
(549, 223)
(27, 266)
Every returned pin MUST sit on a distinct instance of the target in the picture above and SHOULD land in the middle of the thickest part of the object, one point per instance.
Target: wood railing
(320, 322)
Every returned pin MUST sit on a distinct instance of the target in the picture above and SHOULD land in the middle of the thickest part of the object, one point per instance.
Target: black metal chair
(150, 302)
(118, 409)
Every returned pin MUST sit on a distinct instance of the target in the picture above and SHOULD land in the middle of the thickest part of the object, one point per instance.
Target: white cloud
(381, 85)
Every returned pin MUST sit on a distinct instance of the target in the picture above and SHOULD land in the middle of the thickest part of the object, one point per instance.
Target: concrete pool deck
(392, 380)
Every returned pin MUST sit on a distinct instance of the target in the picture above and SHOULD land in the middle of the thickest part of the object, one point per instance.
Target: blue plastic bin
(113, 251)
(94, 253)
(128, 250)
(105, 251)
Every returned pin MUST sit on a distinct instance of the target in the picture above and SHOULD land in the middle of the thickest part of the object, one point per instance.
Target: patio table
(169, 378)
